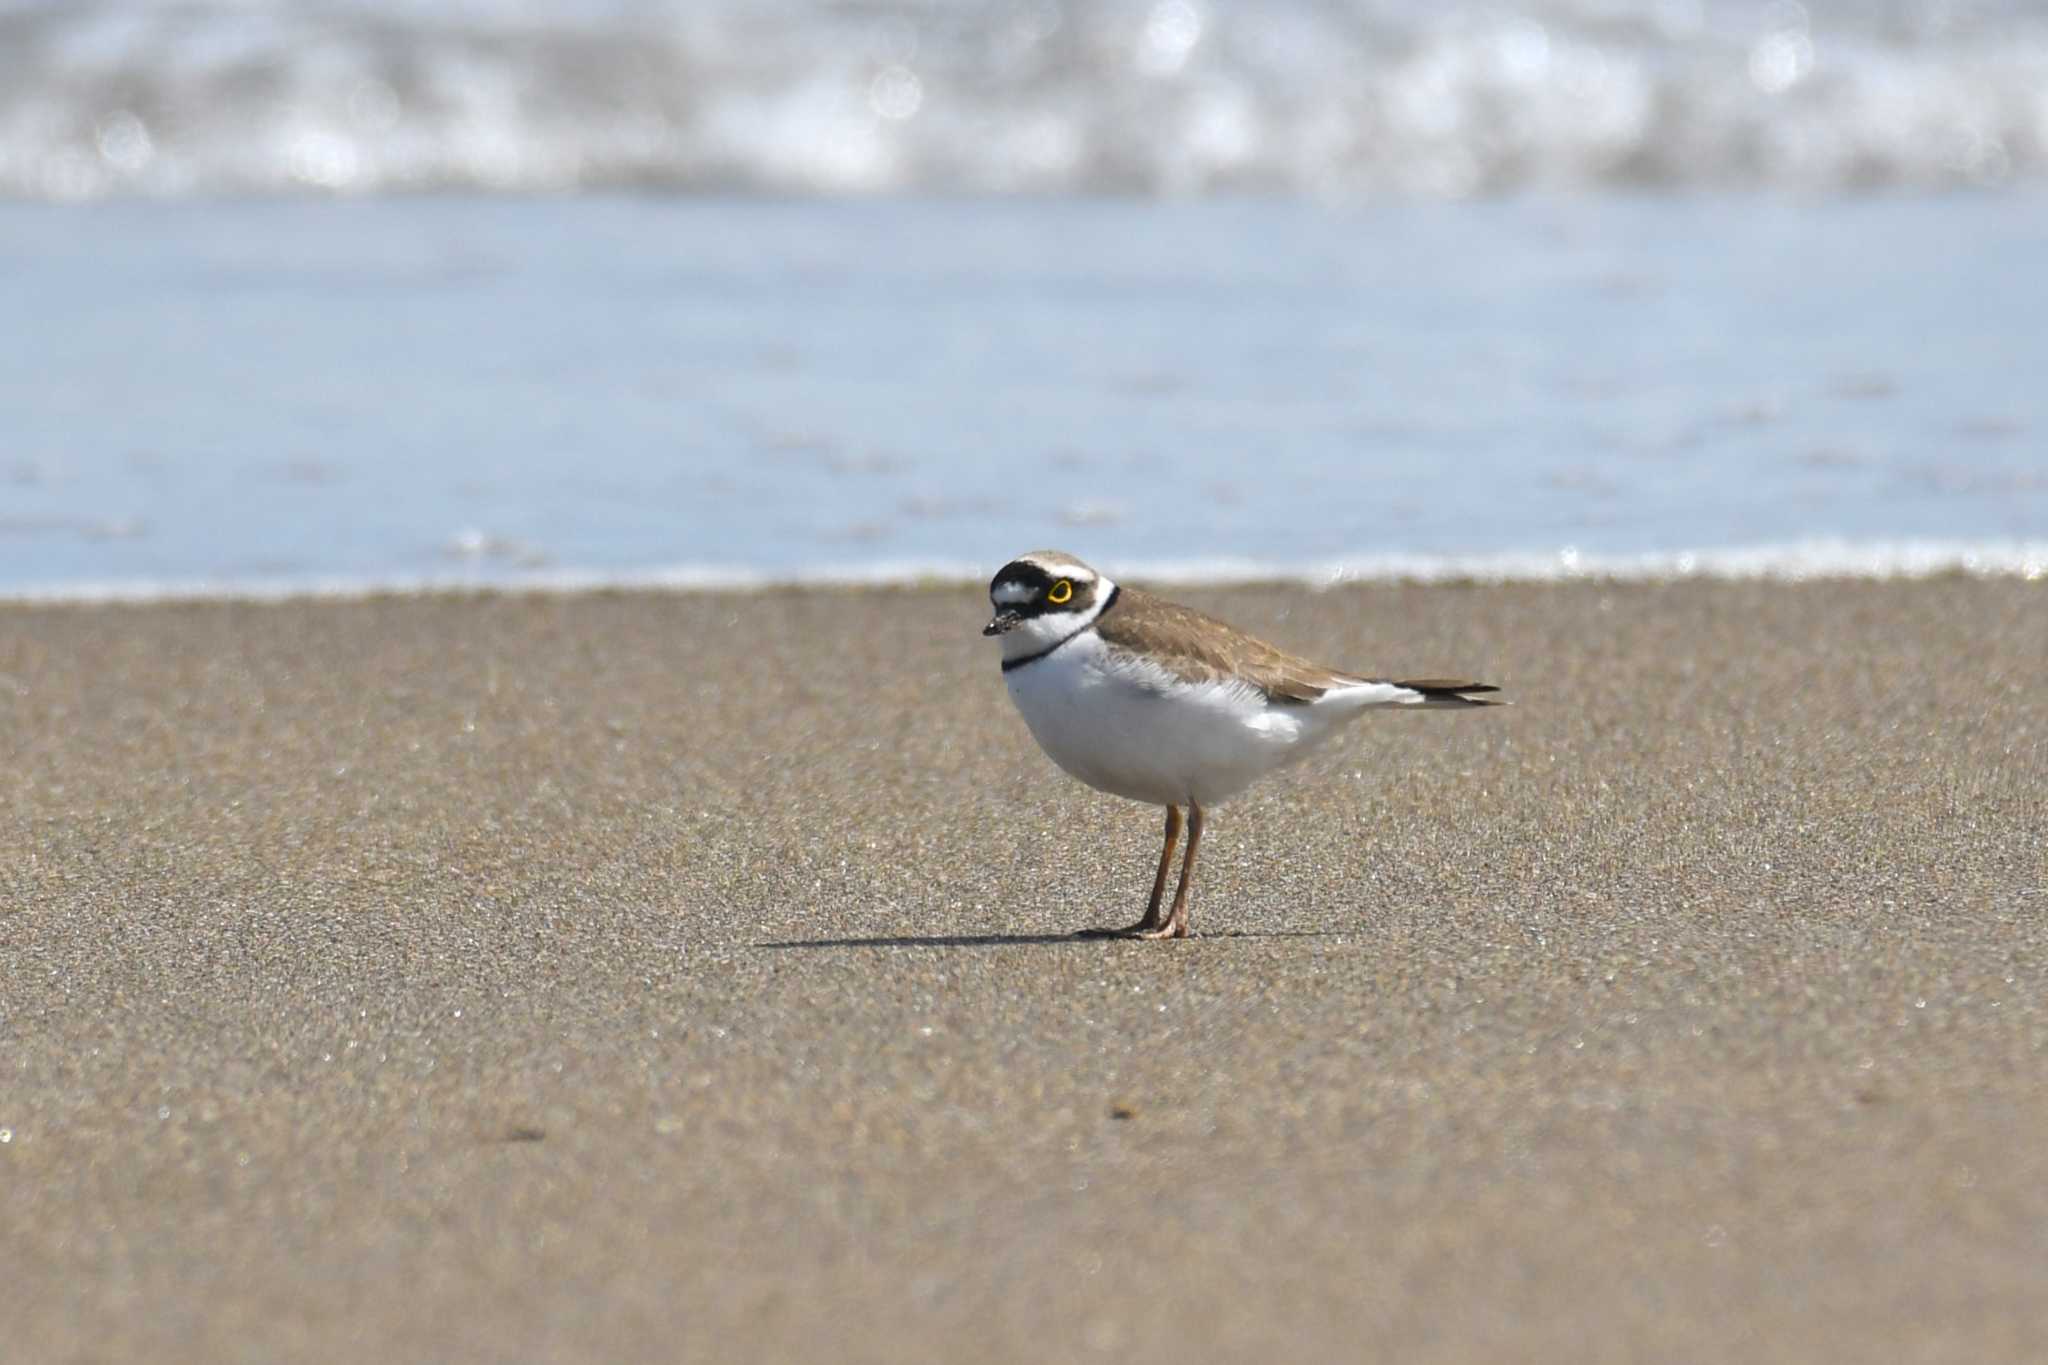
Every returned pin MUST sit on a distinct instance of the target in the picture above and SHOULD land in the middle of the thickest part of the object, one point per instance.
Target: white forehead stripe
(1010, 591)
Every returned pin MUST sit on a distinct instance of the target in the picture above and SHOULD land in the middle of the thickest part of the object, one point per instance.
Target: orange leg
(1151, 923)
(1176, 925)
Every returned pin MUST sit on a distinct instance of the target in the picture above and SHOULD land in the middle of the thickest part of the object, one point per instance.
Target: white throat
(1041, 633)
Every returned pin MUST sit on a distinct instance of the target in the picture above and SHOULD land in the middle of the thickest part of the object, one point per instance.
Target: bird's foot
(1142, 929)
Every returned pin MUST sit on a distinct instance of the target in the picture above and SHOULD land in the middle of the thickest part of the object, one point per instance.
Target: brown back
(1199, 648)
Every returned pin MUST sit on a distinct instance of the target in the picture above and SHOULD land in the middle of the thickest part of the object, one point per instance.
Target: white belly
(1136, 731)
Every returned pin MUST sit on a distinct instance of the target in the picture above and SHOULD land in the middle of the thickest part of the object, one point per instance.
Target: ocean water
(1123, 97)
(322, 296)
(397, 390)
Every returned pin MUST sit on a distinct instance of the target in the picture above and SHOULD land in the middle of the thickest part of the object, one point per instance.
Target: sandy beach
(630, 977)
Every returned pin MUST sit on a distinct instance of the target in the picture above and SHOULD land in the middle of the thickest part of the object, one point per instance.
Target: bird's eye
(1062, 591)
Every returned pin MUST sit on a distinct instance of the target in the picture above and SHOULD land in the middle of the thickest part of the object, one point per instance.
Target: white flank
(1126, 726)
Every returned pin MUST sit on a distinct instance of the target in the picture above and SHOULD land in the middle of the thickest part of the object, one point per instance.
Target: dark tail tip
(1450, 691)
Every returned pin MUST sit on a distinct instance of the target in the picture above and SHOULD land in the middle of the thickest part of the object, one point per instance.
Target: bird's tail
(1447, 692)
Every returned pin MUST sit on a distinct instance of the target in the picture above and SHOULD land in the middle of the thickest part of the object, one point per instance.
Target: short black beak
(1005, 621)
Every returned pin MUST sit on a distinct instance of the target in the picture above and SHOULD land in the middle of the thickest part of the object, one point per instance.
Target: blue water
(391, 292)
(294, 393)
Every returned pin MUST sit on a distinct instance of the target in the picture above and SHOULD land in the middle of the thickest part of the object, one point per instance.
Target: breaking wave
(824, 97)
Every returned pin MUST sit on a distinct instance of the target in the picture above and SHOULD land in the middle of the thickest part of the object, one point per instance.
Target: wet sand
(647, 977)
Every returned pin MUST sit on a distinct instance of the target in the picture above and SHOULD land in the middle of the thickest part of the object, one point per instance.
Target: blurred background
(333, 293)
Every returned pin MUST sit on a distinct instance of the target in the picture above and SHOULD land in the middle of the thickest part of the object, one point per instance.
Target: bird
(1155, 702)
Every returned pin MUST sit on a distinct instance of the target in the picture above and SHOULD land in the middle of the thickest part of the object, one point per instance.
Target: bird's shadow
(1023, 940)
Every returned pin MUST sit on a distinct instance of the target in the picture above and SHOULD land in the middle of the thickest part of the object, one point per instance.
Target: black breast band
(1089, 624)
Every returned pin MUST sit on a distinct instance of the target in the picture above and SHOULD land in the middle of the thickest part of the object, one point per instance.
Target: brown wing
(1200, 648)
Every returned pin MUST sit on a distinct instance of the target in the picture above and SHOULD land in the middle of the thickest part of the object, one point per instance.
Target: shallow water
(399, 390)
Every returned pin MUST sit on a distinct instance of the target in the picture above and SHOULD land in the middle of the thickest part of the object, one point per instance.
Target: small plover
(1145, 699)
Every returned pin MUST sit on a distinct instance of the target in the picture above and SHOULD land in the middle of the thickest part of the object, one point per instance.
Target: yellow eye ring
(1060, 592)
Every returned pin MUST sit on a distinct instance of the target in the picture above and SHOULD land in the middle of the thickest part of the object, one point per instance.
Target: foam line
(1791, 562)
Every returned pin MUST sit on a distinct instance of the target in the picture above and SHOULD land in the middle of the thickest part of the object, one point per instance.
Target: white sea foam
(871, 96)
(1795, 562)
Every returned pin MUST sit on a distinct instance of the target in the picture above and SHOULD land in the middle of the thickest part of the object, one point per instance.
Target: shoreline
(1816, 560)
